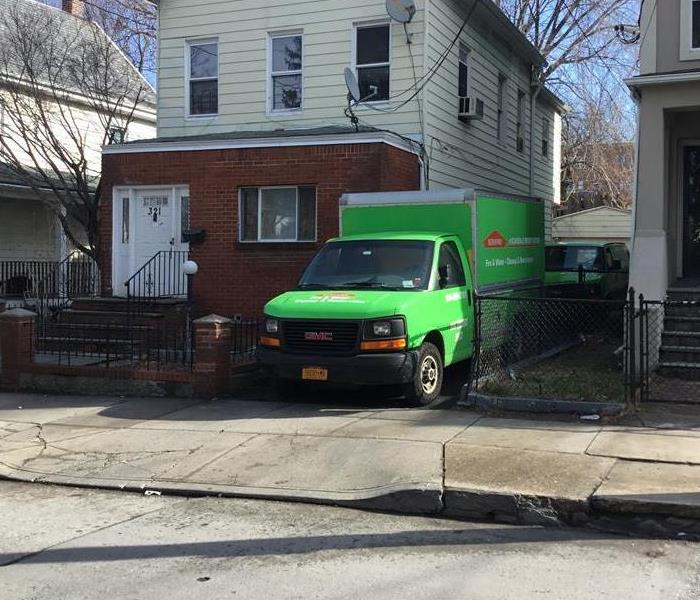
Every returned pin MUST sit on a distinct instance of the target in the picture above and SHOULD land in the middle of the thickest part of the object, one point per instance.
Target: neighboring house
(666, 240)
(254, 150)
(32, 240)
(601, 224)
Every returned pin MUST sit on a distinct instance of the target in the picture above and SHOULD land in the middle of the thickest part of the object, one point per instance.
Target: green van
(587, 270)
(391, 301)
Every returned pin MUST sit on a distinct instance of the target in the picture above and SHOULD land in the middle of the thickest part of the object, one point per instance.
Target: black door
(691, 211)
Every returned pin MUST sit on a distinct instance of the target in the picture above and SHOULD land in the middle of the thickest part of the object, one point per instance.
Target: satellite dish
(353, 85)
(401, 10)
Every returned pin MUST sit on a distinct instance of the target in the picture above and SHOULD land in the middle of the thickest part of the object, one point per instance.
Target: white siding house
(457, 154)
(253, 114)
(31, 237)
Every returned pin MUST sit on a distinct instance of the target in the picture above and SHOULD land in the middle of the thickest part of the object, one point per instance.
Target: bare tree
(573, 33)
(65, 89)
(132, 26)
(597, 159)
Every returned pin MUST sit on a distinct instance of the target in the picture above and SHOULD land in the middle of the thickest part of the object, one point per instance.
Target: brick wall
(239, 278)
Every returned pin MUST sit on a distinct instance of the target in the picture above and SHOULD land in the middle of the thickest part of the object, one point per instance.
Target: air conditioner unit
(470, 109)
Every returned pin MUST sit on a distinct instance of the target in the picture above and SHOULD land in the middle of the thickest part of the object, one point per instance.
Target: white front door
(147, 221)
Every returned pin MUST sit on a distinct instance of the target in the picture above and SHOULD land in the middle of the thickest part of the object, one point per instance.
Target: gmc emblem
(318, 336)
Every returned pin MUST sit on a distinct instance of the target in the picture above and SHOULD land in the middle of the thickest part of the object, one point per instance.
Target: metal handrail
(160, 277)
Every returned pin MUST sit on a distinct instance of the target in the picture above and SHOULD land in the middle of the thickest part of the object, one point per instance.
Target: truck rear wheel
(426, 385)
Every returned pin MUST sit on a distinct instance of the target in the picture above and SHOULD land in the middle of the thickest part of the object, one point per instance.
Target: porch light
(190, 267)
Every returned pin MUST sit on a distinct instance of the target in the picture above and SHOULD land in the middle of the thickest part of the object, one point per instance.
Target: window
(520, 124)
(545, 137)
(695, 25)
(463, 85)
(372, 61)
(449, 258)
(286, 62)
(125, 220)
(116, 135)
(278, 214)
(185, 221)
(500, 107)
(203, 78)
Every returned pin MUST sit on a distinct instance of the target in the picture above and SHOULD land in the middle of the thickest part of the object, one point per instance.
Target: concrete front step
(683, 309)
(684, 294)
(681, 370)
(682, 323)
(113, 317)
(681, 338)
(159, 305)
(77, 345)
(680, 354)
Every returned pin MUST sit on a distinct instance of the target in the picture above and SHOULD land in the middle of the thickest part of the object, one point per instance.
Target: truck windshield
(371, 264)
(571, 258)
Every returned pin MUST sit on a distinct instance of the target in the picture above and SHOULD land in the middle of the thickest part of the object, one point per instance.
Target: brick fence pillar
(16, 343)
(212, 357)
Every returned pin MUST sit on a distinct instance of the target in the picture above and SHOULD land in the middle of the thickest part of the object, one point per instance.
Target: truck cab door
(455, 302)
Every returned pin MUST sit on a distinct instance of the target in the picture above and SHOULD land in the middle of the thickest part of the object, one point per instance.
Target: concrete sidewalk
(643, 474)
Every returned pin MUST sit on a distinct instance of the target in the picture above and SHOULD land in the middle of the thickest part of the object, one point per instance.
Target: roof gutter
(641, 81)
(268, 142)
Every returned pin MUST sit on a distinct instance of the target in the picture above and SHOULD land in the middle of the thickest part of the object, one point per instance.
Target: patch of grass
(588, 372)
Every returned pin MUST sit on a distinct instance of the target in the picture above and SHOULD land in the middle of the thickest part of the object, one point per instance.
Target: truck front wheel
(427, 380)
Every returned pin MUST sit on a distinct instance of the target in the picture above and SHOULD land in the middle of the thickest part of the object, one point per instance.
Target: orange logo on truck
(495, 240)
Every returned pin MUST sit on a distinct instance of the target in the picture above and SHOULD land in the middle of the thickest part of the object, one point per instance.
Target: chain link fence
(670, 350)
(554, 349)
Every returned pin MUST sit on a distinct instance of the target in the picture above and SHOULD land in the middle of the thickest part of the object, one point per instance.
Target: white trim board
(278, 142)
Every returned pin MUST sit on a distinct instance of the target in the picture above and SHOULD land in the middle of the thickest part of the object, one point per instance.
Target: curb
(539, 406)
(414, 499)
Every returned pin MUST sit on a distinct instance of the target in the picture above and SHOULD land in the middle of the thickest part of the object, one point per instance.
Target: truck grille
(321, 336)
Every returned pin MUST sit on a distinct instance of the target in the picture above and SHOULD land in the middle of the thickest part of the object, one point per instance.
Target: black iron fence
(244, 341)
(112, 345)
(669, 359)
(161, 277)
(21, 277)
(73, 277)
(558, 349)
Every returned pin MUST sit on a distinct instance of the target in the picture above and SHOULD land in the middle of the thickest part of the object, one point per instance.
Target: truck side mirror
(444, 273)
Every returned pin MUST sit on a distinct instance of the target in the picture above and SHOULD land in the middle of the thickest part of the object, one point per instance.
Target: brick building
(224, 187)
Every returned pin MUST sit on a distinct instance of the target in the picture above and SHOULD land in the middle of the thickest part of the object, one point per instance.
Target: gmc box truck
(391, 301)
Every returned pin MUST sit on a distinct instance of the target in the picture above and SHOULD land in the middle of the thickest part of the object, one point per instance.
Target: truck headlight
(272, 326)
(381, 328)
(394, 327)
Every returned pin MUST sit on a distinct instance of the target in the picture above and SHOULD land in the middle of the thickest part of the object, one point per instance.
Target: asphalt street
(76, 544)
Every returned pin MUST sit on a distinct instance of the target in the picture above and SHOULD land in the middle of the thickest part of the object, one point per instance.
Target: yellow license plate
(314, 374)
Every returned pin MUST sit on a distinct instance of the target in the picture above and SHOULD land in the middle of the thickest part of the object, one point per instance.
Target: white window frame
(270, 73)
(363, 25)
(501, 106)
(520, 120)
(687, 51)
(261, 240)
(468, 63)
(546, 135)
(188, 71)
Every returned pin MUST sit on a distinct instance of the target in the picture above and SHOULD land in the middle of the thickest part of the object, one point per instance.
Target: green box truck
(391, 301)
